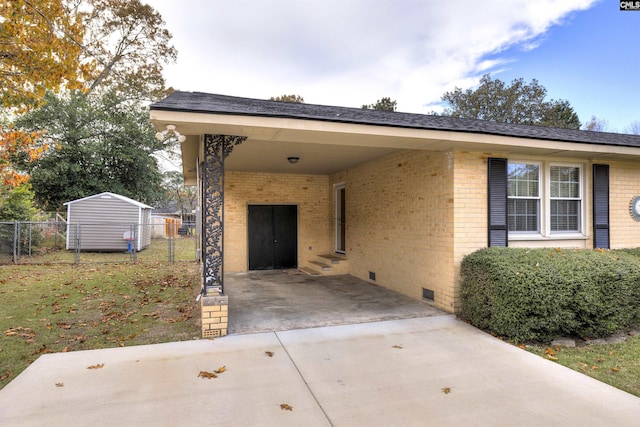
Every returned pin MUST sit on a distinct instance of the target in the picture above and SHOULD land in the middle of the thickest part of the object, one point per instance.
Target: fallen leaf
(286, 407)
(207, 375)
(269, 353)
(221, 370)
(446, 390)
(614, 369)
(98, 366)
(59, 384)
(397, 346)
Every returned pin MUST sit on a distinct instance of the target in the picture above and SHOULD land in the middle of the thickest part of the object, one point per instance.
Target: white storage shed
(105, 222)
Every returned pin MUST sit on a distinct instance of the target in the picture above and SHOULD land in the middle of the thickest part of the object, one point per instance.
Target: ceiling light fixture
(170, 134)
(293, 160)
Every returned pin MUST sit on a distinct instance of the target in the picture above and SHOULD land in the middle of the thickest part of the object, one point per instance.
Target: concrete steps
(310, 271)
(322, 266)
(327, 265)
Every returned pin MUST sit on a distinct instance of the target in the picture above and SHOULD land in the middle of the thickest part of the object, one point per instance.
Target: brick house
(394, 198)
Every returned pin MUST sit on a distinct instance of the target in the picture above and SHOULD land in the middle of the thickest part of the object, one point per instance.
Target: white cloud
(350, 52)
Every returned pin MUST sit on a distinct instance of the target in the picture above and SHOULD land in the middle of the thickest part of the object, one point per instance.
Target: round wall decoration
(634, 208)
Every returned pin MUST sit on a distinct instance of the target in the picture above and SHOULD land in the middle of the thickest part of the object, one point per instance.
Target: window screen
(564, 187)
(524, 197)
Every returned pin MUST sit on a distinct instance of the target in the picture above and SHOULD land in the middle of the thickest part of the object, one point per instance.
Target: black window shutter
(497, 201)
(601, 206)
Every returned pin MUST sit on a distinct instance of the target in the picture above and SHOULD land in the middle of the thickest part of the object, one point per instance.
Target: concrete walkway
(430, 371)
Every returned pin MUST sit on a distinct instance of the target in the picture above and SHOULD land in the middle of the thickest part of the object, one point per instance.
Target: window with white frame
(544, 198)
(523, 181)
(565, 198)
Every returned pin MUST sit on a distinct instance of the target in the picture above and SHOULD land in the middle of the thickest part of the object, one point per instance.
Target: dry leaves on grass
(550, 354)
(20, 332)
(43, 350)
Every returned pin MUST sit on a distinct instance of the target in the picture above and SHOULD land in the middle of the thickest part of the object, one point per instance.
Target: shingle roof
(222, 104)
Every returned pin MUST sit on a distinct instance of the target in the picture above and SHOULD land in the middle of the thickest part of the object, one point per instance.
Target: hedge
(542, 294)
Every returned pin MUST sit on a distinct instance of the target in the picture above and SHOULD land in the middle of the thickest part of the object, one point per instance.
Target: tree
(560, 114)
(127, 43)
(98, 143)
(185, 199)
(16, 144)
(40, 47)
(385, 104)
(288, 98)
(595, 125)
(518, 103)
(111, 45)
(634, 128)
(17, 203)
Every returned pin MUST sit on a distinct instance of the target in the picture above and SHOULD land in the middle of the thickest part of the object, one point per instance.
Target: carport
(394, 199)
(267, 301)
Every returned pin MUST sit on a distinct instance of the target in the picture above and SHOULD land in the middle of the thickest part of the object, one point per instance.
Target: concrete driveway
(426, 371)
(265, 301)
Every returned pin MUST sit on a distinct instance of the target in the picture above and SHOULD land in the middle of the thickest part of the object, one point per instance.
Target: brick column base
(215, 315)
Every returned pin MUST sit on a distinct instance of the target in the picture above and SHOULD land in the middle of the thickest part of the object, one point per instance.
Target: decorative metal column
(216, 149)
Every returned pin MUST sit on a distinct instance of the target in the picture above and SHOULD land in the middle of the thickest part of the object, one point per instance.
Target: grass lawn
(614, 364)
(183, 248)
(46, 308)
(51, 308)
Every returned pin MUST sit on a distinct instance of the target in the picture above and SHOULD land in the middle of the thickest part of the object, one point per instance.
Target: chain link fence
(58, 242)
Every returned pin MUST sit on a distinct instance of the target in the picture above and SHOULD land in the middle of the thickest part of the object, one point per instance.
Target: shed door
(273, 237)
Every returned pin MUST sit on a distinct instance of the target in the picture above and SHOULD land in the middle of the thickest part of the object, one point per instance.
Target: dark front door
(273, 237)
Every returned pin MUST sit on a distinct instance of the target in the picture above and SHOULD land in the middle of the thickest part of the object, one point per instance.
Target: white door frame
(339, 197)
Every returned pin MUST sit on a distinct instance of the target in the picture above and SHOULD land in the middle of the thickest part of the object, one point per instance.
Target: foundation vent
(372, 275)
(427, 294)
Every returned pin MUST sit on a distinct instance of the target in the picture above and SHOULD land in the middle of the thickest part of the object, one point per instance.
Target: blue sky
(354, 52)
(593, 61)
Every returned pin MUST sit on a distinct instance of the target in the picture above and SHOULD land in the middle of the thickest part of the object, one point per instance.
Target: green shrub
(541, 294)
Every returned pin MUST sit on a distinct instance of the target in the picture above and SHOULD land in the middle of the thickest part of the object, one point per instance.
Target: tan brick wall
(399, 222)
(624, 185)
(402, 221)
(470, 210)
(309, 192)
